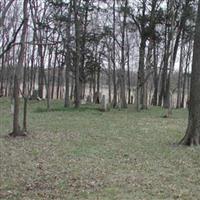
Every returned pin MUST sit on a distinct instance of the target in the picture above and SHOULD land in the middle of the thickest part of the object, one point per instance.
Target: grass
(88, 154)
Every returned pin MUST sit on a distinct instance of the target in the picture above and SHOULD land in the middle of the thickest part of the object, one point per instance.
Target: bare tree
(192, 136)
(18, 72)
(77, 55)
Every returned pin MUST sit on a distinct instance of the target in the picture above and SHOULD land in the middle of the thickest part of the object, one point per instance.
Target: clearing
(88, 154)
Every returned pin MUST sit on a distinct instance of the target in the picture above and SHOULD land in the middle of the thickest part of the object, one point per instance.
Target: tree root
(18, 134)
(190, 141)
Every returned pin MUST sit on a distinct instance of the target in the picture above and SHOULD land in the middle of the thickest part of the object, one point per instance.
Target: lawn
(88, 154)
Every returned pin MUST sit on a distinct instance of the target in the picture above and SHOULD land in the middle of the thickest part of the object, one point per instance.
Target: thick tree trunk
(192, 136)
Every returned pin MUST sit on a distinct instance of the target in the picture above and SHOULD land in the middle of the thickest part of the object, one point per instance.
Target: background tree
(18, 73)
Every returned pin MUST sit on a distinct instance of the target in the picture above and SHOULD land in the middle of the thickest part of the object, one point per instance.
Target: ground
(88, 154)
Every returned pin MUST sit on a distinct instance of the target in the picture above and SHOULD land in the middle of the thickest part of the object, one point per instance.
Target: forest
(99, 99)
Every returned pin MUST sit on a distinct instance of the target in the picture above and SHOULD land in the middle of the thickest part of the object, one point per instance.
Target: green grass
(88, 154)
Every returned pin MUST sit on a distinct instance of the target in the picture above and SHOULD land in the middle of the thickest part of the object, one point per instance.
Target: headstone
(104, 104)
(119, 105)
(83, 102)
(35, 95)
(39, 99)
(131, 99)
(89, 99)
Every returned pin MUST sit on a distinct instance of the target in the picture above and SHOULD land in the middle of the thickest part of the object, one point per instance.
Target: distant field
(88, 154)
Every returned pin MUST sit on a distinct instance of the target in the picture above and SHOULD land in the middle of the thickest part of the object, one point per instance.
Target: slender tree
(114, 56)
(18, 71)
(77, 55)
(122, 71)
(68, 57)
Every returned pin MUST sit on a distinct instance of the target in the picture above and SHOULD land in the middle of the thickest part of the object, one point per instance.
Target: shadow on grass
(88, 108)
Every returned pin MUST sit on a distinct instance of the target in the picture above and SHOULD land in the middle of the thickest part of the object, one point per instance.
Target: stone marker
(131, 99)
(89, 99)
(104, 106)
(35, 96)
(119, 105)
(83, 102)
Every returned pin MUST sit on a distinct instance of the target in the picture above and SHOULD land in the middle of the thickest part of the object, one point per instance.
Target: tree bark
(68, 58)
(122, 71)
(113, 58)
(77, 54)
(180, 74)
(155, 76)
(141, 75)
(192, 136)
(18, 72)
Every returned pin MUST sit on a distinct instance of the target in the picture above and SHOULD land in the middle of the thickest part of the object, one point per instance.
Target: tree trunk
(47, 80)
(122, 71)
(98, 81)
(54, 74)
(58, 81)
(128, 69)
(180, 75)
(170, 53)
(77, 54)
(41, 72)
(72, 89)
(32, 63)
(155, 76)
(2, 67)
(185, 75)
(113, 58)
(192, 136)
(141, 76)
(25, 115)
(68, 59)
(18, 72)
(109, 77)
